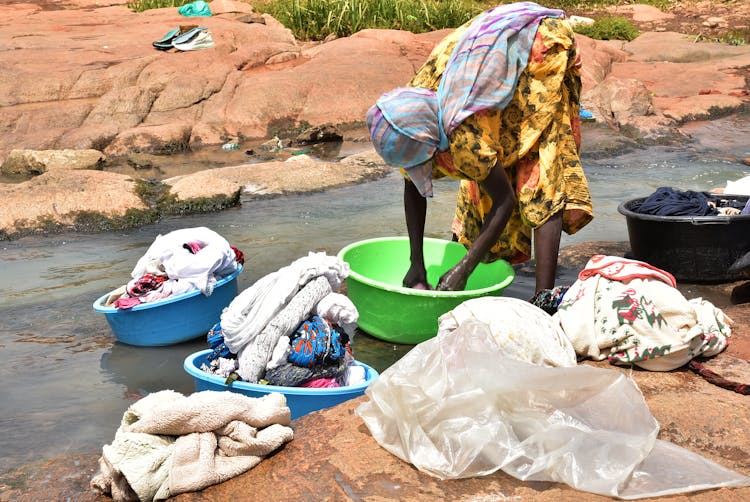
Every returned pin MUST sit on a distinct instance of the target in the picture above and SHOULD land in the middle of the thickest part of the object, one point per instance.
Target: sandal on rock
(165, 42)
(201, 39)
(183, 38)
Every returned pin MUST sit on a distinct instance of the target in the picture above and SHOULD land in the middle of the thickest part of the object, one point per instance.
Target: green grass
(141, 5)
(736, 37)
(609, 28)
(317, 19)
(597, 4)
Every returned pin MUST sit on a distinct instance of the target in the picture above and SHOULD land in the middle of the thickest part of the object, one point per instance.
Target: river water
(66, 382)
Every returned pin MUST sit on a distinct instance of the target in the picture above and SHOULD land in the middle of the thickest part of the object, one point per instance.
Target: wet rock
(319, 134)
(202, 185)
(161, 139)
(58, 199)
(713, 22)
(276, 144)
(251, 18)
(143, 161)
(299, 174)
(34, 162)
(619, 99)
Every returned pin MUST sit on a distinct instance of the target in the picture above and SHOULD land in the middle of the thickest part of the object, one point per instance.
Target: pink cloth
(321, 383)
(194, 246)
(619, 269)
(126, 303)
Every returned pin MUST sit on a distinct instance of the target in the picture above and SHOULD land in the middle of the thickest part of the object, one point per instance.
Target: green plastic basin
(397, 314)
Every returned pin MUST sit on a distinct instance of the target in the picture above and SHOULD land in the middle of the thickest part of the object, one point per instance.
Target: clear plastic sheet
(456, 407)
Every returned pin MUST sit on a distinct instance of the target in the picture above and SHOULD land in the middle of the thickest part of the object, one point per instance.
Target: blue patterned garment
(215, 340)
(316, 342)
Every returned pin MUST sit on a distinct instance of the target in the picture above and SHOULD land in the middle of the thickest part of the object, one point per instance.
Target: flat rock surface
(82, 74)
(120, 95)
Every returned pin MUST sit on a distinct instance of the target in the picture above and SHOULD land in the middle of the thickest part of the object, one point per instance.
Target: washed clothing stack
(179, 262)
(630, 312)
(258, 326)
(667, 201)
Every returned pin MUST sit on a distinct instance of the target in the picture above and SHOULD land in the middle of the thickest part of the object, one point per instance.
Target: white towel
(168, 443)
(340, 310)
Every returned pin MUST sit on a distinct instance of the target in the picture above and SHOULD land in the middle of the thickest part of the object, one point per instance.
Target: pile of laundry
(668, 201)
(630, 312)
(168, 443)
(291, 328)
(179, 262)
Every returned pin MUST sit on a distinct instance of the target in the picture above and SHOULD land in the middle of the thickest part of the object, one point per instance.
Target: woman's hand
(454, 279)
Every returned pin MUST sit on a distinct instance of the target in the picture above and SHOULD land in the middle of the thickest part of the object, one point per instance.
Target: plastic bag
(455, 407)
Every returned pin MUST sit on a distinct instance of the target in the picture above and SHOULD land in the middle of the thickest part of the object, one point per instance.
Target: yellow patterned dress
(535, 138)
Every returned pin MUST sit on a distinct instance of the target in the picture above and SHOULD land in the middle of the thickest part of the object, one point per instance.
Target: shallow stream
(66, 382)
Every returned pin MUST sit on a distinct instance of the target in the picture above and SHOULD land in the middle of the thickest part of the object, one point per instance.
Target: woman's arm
(415, 210)
(498, 187)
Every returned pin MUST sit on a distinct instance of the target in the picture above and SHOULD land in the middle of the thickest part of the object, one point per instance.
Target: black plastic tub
(698, 249)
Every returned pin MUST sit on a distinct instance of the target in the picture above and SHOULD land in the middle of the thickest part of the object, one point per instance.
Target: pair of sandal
(185, 38)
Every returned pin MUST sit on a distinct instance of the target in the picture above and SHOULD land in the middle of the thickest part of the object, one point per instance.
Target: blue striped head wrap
(408, 125)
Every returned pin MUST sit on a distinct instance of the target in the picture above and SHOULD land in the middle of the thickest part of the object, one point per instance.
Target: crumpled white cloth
(253, 308)
(168, 443)
(166, 255)
(340, 310)
(280, 353)
(522, 331)
(641, 321)
(738, 187)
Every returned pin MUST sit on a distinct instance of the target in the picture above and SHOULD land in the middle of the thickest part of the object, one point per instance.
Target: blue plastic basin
(175, 319)
(300, 400)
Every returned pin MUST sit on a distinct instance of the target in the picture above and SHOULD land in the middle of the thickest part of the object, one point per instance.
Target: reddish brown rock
(60, 196)
(84, 75)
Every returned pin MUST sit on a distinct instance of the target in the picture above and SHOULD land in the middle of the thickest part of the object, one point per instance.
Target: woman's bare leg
(546, 250)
